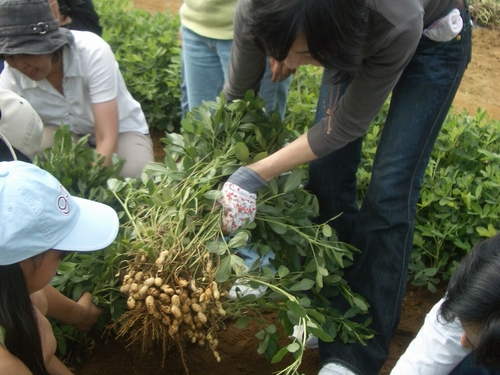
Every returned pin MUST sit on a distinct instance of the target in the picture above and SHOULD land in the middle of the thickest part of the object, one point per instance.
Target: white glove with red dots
(238, 199)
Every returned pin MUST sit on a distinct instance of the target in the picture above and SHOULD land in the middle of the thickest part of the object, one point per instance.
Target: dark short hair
(335, 30)
(6, 154)
(473, 297)
(57, 54)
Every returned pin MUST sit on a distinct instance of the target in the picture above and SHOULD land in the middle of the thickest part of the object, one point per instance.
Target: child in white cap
(40, 222)
(20, 137)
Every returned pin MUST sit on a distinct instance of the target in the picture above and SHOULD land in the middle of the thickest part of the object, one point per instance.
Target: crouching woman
(72, 77)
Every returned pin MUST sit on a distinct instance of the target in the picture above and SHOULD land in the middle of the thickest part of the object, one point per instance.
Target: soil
(238, 347)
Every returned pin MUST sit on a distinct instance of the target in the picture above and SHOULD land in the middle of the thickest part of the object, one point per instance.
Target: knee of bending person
(137, 150)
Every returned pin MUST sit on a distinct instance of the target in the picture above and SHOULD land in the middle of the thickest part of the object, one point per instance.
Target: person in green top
(207, 38)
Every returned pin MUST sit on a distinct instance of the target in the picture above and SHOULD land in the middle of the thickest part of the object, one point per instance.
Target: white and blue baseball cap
(38, 214)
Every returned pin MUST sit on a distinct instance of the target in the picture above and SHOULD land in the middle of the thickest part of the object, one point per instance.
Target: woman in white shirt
(72, 77)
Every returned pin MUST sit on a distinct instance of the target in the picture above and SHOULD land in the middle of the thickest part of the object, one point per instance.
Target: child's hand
(88, 313)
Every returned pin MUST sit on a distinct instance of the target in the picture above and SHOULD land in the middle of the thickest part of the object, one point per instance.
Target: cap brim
(96, 228)
(36, 44)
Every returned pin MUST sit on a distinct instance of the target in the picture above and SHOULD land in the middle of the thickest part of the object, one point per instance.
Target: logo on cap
(62, 201)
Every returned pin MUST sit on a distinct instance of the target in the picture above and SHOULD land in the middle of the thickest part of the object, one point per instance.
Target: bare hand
(64, 20)
(88, 313)
(280, 70)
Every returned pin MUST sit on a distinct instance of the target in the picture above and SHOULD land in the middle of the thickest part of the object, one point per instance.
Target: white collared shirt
(91, 76)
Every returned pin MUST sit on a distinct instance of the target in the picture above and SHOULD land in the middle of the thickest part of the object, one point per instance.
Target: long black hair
(335, 30)
(473, 296)
(18, 318)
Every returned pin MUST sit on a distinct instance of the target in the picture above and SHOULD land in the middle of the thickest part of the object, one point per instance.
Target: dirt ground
(238, 348)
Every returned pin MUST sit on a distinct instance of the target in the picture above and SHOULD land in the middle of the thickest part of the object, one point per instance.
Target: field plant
(147, 49)
(459, 200)
(180, 264)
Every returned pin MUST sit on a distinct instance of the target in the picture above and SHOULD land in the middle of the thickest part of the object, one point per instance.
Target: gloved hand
(238, 199)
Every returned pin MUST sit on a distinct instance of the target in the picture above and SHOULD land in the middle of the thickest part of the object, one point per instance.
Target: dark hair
(6, 155)
(473, 297)
(57, 54)
(18, 318)
(335, 30)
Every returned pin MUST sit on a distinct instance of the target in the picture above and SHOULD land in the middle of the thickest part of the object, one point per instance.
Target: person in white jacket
(461, 333)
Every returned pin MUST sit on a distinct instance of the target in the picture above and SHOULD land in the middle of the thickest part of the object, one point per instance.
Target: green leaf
(213, 194)
(261, 349)
(430, 271)
(241, 151)
(487, 232)
(316, 315)
(353, 311)
(320, 334)
(322, 271)
(304, 284)
(216, 247)
(294, 180)
(295, 309)
(282, 271)
(293, 347)
(327, 230)
(242, 322)
(279, 356)
(224, 270)
(238, 265)
(260, 156)
(305, 302)
(277, 227)
(270, 329)
(273, 186)
(360, 303)
(239, 240)
(175, 139)
(116, 185)
(187, 125)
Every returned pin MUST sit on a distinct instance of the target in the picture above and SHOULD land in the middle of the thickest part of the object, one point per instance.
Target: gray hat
(29, 27)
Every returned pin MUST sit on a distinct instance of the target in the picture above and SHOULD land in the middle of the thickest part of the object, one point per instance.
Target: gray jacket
(396, 30)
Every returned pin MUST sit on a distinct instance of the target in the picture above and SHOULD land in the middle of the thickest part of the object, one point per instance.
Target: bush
(147, 49)
(459, 200)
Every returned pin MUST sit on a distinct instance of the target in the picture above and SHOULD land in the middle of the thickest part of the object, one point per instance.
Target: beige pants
(136, 148)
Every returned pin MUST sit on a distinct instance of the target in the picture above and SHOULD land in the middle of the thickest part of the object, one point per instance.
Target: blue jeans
(204, 69)
(467, 367)
(383, 227)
